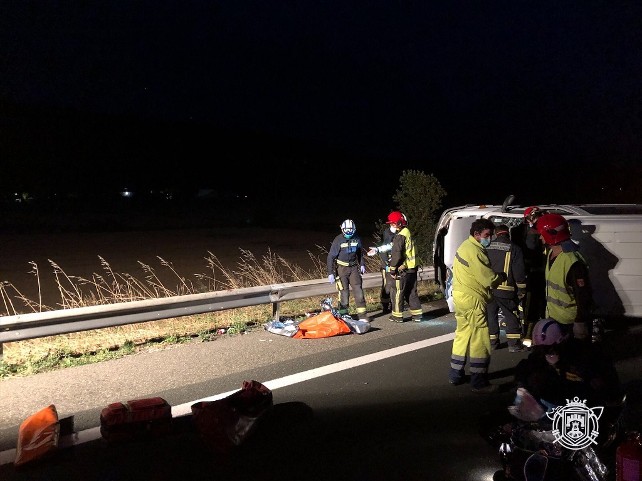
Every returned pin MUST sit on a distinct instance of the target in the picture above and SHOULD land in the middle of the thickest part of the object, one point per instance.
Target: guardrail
(64, 321)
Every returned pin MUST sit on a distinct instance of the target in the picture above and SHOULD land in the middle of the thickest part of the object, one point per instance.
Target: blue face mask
(484, 241)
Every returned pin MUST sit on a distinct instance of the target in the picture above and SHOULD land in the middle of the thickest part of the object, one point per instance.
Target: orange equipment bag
(38, 435)
(321, 325)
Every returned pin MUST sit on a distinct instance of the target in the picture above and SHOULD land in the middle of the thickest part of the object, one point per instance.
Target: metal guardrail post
(276, 305)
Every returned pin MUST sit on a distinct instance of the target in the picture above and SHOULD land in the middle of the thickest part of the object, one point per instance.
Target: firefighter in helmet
(533, 304)
(568, 290)
(402, 269)
(387, 234)
(346, 265)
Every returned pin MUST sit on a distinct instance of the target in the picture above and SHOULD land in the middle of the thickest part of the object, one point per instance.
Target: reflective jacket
(561, 304)
(506, 256)
(402, 255)
(345, 252)
(384, 250)
(472, 274)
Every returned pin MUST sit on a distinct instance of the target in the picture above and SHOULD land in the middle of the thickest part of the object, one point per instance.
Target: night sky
(324, 100)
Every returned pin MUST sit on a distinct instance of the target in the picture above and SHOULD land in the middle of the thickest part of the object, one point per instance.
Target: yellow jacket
(472, 274)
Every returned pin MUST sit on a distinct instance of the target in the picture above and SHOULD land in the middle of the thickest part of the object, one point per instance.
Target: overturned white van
(609, 237)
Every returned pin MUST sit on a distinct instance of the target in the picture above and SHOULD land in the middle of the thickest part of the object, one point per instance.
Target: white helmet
(348, 227)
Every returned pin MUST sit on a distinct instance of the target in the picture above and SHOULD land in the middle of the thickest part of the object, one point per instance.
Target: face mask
(348, 236)
(393, 229)
(485, 242)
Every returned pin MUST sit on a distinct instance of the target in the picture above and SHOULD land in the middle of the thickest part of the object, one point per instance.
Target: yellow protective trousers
(471, 340)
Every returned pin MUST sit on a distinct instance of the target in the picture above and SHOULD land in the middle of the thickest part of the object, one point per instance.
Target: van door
(450, 235)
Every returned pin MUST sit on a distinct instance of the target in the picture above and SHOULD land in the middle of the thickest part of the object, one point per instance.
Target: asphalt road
(365, 407)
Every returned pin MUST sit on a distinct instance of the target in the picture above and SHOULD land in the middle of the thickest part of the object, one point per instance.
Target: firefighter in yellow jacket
(402, 269)
(568, 290)
(473, 279)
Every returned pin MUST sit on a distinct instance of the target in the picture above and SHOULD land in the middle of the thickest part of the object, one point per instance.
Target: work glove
(331, 278)
(372, 251)
(363, 269)
(580, 330)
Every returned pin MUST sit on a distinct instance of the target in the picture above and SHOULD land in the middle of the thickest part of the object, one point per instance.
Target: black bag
(226, 423)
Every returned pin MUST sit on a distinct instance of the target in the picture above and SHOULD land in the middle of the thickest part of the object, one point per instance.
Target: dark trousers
(510, 322)
(350, 278)
(403, 291)
(534, 302)
(384, 294)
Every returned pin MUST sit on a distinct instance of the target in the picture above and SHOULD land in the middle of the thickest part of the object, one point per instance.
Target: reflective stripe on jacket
(403, 251)
(506, 256)
(560, 300)
(472, 274)
(345, 252)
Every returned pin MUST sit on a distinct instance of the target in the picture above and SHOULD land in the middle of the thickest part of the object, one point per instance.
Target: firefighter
(506, 256)
(560, 368)
(568, 290)
(387, 235)
(346, 265)
(473, 278)
(384, 255)
(402, 269)
(533, 304)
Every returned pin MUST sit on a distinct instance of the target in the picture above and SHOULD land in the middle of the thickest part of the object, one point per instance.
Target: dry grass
(107, 287)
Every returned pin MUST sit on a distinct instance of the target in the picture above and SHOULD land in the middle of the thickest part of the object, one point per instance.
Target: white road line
(93, 434)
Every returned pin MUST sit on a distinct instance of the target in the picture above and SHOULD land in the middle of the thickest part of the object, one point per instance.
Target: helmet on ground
(553, 228)
(531, 211)
(348, 227)
(398, 218)
(547, 332)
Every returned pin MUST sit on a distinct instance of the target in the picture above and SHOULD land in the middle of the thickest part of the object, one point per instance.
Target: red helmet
(397, 217)
(530, 211)
(553, 228)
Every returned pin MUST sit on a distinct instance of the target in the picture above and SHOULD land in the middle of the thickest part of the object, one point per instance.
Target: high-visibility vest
(409, 261)
(560, 301)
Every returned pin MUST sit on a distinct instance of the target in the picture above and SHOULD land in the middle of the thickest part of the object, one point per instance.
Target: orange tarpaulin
(321, 325)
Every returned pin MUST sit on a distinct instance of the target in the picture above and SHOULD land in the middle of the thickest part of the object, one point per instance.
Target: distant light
(126, 193)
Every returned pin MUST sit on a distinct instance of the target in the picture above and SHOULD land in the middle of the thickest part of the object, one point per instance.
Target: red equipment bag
(136, 418)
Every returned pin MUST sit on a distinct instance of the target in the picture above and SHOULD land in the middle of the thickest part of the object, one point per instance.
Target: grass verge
(44, 354)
